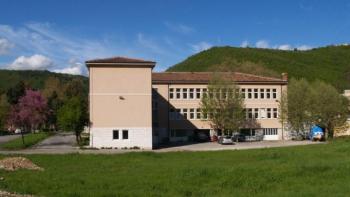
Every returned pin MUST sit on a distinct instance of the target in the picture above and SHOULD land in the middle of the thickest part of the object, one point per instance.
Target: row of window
(197, 93)
(261, 113)
(249, 132)
(196, 114)
(125, 134)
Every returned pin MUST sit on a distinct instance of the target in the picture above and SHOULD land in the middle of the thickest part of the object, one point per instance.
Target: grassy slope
(315, 170)
(331, 64)
(36, 79)
(29, 140)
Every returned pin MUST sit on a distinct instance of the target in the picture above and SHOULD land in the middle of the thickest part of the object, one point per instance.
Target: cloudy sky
(60, 35)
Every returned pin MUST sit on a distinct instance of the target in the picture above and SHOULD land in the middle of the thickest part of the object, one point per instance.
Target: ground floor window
(115, 134)
(270, 131)
(125, 134)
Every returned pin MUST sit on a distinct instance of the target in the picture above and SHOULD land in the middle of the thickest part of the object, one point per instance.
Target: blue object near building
(316, 133)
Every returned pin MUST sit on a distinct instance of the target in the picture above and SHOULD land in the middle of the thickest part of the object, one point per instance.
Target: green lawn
(29, 140)
(313, 170)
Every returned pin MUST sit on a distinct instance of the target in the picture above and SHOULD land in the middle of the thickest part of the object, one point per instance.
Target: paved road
(60, 141)
(7, 138)
(63, 145)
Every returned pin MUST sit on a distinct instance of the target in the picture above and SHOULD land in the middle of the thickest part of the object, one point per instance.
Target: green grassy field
(29, 140)
(313, 170)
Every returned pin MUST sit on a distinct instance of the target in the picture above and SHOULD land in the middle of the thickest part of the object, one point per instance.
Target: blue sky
(61, 35)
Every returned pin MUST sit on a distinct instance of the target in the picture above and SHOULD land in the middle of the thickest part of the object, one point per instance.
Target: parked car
(17, 131)
(238, 137)
(226, 139)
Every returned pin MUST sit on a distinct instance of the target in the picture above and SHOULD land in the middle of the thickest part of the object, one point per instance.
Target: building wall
(120, 98)
(164, 121)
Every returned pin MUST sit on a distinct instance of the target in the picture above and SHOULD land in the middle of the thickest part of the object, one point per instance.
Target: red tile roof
(205, 77)
(121, 61)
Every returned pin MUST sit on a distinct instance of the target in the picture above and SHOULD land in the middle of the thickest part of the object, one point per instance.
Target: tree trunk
(22, 136)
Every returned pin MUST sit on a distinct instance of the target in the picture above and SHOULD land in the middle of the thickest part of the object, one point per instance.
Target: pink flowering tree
(30, 112)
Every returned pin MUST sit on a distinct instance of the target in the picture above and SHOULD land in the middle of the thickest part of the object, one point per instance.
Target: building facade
(132, 106)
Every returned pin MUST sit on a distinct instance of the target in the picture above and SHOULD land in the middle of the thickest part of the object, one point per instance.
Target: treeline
(57, 106)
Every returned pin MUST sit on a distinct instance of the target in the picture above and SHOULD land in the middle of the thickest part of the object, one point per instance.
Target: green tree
(54, 104)
(4, 110)
(329, 109)
(298, 107)
(15, 93)
(71, 116)
(223, 105)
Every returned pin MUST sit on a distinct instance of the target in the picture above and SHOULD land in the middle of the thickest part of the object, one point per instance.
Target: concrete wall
(120, 98)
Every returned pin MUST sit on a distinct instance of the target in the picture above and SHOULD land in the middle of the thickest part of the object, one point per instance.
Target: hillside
(36, 79)
(330, 64)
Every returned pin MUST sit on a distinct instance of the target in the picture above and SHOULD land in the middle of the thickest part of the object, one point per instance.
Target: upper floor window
(274, 112)
(184, 113)
(268, 93)
(262, 93)
(178, 93)
(250, 113)
(256, 94)
(268, 112)
(171, 93)
(184, 93)
(191, 114)
(198, 113)
(243, 92)
(274, 93)
(198, 93)
(191, 93)
(256, 113)
(249, 93)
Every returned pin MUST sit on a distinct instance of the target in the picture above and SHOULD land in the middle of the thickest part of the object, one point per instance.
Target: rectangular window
(262, 113)
(268, 93)
(270, 131)
(191, 93)
(268, 112)
(249, 93)
(191, 114)
(184, 113)
(256, 113)
(125, 134)
(250, 113)
(184, 93)
(256, 93)
(274, 112)
(274, 93)
(204, 91)
(178, 93)
(243, 92)
(178, 114)
(198, 113)
(262, 93)
(198, 93)
(171, 93)
(115, 134)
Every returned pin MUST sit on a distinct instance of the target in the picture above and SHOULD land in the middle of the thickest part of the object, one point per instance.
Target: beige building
(131, 106)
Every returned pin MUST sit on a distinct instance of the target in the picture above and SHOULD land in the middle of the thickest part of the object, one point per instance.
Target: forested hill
(34, 79)
(330, 64)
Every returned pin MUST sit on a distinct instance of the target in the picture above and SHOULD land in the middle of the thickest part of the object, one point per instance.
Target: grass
(29, 140)
(314, 170)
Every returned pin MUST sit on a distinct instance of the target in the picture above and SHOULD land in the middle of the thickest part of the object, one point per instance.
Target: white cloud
(76, 68)
(304, 47)
(245, 44)
(262, 44)
(5, 46)
(284, 47)
(201, 46)
(35, 62)
(180, 28)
